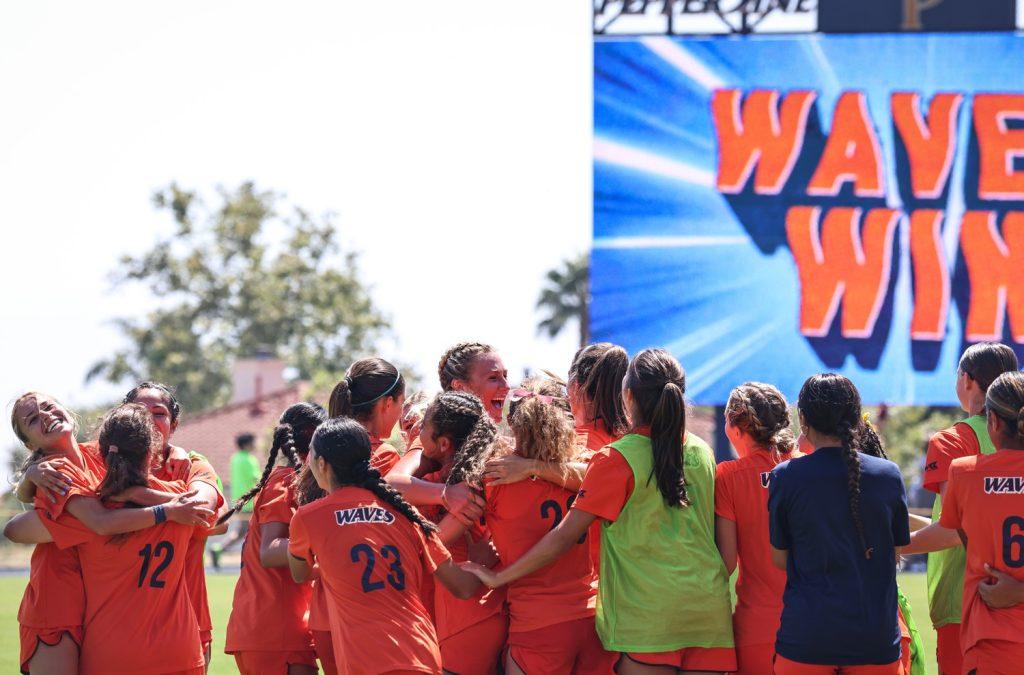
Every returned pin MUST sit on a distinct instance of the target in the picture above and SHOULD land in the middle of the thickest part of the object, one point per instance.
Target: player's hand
(482, 552)
(487, 576)
(509, 468)
(463, 502)
(188, 510)
(48, 478)
(1000, 590)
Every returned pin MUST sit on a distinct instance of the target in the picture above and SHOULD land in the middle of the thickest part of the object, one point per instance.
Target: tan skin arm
(726, 539)
(932, 537)
(512, 468)
(274, 545)
(301, 570)
(458, 499)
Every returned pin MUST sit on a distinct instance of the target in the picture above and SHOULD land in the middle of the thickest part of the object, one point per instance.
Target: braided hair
(760, 411)
(657, 383)
(830, 404)
(291, 438)
(457, 362)
(597, 370)
(460, 416)
(344, 444)
(366, 382)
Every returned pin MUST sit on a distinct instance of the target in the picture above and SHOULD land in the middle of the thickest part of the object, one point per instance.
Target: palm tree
(566, 296)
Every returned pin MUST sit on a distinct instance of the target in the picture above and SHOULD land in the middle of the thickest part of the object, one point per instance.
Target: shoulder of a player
(950, 437)
(962, 465)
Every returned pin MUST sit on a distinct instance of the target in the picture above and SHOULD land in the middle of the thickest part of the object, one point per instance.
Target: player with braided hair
(984, 503)
(476, 368)
(835, 519)
(277, 641)
(375, 553)
(979, 366)
(757, 424)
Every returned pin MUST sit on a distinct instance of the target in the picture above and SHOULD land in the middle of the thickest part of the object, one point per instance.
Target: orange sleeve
(178, 487)
(943, 448)
(66, 530)
(384, 459)
(724, 505)
(957, 475)
(276, 504)
(298, 540)
(607, 485)
(434, 552)
(200, 471)
(80, 486)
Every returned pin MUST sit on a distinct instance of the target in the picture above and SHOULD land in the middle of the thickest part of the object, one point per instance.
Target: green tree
(565, 297)
(248, 274)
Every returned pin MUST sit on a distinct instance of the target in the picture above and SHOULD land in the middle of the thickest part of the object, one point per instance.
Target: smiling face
(42, 422)
(438, 449)
(488, 380)
(154, 401)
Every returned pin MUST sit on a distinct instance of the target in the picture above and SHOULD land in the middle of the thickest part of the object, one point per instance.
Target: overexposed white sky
(453, 140)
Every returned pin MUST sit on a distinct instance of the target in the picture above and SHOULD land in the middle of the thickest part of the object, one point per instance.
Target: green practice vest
(917, 662)
(946, 568)
(663, 583)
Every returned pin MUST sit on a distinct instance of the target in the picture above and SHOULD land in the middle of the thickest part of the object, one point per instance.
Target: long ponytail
(291, 439)
(597, 370)
(657, 383)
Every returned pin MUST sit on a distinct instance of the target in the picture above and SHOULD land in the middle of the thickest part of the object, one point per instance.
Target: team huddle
(558, 526)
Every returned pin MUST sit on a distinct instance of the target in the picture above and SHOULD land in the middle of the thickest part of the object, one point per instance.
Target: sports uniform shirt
(945, 570)
(55, 596)
(518, 516)
(373, 562)
(985, 499)
(269, 610)
(593, 437)
(741, 495)
(832, 589)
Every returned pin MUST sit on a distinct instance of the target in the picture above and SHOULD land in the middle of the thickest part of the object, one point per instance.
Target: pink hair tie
(112, 448)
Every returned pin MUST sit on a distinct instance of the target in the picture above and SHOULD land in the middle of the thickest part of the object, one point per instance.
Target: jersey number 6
(1013, 541)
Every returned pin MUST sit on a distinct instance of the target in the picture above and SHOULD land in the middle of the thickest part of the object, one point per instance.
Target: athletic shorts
(272, 663)
(994, 657)
(784, 666)
(567, 647)
(324, 647)
(755, 659)
(715, 659)
(476, 650)
(947, 649)
(32, 637)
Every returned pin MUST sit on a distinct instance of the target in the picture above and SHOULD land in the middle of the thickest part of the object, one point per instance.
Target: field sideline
(221, 587)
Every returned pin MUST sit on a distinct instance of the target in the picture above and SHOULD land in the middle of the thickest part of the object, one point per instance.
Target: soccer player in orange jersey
(137, 613)
(984, 502)
(552, 610)
(267, 631)
(374, 552)
(372, 393)
(177, 464)
(53, 608)
(757, 424)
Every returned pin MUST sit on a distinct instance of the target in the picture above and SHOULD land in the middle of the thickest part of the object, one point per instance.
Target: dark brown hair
(458, 361)
(166, 393)
(985, 361)
(657, 383)
(597, 370)
(760, 411)
(1005, 400)
(127, 439)
(460, 417)
(366, 382)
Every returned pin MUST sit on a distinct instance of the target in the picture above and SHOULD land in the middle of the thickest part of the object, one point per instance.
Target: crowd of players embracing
(557, 526)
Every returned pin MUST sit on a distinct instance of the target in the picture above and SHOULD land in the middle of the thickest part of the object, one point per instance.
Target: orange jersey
(741, 495)
(594, 437)
(55, 595)
(192, 471)
(269, 611)
(518, 516)
(383, 459)
(957, 441)
(373, 564)
(138, 618)
(985, 500)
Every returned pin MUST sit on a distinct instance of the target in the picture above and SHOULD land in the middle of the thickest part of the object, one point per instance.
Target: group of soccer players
(557, 526)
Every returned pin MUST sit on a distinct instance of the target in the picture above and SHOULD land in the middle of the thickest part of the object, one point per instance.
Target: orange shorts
(715, 659)
(994, 657)
(755, 659)
(947, 649)
(567, 647)
(272, 663)
(477, 649)
(324, 647)
(31, 638)
(784, 666)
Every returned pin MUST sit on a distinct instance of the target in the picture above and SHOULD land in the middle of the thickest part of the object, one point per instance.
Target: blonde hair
(544, 429)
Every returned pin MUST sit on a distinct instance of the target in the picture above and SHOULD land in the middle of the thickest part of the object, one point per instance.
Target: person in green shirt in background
(245, 473)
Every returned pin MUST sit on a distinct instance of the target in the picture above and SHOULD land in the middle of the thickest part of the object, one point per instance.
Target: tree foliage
(245, 275)
(565, 297)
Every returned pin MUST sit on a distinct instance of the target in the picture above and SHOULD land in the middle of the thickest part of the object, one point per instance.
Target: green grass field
(221, 588)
